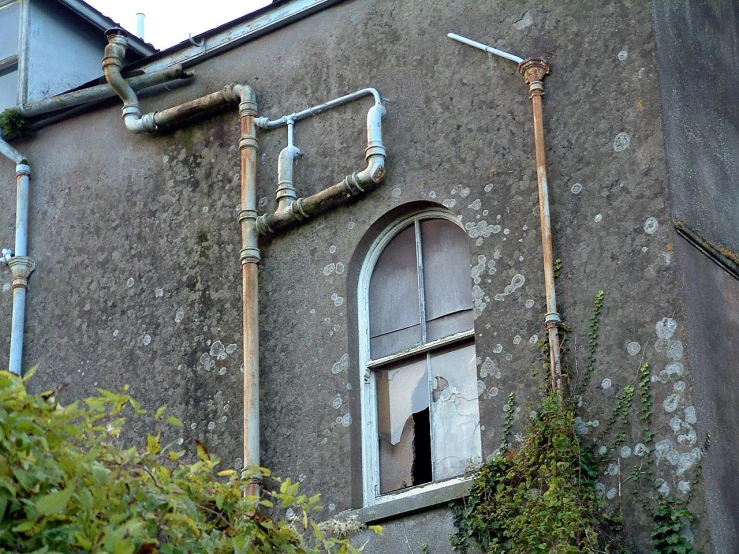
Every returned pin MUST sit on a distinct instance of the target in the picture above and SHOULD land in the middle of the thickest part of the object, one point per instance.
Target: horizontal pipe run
(194, 107)
(265, 123)
(100, 92)
(316, 204)
(485, 48)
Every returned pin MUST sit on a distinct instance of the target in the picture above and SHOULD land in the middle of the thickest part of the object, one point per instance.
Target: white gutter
(234, 34)
(20, 264)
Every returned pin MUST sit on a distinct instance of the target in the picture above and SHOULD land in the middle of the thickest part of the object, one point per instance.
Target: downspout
(21, 266)
(533, 71)
(250, 255)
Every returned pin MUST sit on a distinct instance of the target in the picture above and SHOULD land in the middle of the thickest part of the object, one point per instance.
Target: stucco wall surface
(137, 239)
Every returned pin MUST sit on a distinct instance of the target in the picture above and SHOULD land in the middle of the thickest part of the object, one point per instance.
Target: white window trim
(370, 446)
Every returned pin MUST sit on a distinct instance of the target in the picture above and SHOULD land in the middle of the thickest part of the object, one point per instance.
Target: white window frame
(370, 444)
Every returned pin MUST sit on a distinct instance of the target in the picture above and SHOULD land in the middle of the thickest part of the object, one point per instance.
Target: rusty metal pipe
(249, 255)
(250, 258)
(533, 71)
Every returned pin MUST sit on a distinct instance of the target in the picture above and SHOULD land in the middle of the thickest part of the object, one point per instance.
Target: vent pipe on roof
(140, 25)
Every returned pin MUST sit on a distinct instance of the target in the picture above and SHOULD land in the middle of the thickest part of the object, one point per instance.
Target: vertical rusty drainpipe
(533, 71)
(250, 257)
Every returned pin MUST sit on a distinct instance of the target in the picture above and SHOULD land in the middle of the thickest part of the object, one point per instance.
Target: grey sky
(171, 21)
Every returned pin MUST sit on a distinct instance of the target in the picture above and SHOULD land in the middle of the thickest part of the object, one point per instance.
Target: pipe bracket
(21, 268)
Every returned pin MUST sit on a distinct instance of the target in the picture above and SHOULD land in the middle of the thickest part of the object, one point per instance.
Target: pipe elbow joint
(136, 123)
(246, 97)
(374, 173)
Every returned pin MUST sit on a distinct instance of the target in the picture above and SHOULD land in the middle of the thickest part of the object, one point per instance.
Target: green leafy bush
(67, 484)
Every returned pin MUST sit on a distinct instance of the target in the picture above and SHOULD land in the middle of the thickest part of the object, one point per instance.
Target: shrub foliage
(68, 484)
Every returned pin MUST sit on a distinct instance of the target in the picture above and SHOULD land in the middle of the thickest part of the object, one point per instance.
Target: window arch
(420, 419)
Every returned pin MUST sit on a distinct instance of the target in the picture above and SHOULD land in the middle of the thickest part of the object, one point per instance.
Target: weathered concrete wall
(137, 239)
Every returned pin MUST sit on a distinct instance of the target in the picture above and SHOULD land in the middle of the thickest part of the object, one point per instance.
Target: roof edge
(87, 12)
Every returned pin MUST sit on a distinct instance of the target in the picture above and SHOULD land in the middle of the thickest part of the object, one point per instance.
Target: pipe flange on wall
(21, 267)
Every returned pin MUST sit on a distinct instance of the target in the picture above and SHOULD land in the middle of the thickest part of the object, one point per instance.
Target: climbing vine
(541, 496)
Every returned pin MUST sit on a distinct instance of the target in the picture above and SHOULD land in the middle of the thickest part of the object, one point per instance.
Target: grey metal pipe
(355, 184)
(266, 123)
(100, 92)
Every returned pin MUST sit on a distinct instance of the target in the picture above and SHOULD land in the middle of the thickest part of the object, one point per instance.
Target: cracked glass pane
(446, 278)
(394, 300)
(455, 418)
(403, 425)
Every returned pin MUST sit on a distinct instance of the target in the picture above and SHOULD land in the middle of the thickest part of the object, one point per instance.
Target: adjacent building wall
(698, 52)
(137, 239)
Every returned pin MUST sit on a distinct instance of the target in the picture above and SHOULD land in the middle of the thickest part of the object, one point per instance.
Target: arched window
(419, 404)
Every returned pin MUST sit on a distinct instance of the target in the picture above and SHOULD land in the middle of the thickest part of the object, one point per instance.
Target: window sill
(405, 505)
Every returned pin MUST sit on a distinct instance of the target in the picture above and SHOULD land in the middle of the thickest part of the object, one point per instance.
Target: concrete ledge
(406, 505)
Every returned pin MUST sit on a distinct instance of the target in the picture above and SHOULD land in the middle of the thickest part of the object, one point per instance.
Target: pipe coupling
(22, 169)
(261, 122)
(248, 142)
(247, 215)
(297, 210)
(352, 184)
(21, 267)
(533, 69)
(552, 319)
(250, 255)
(262, 227)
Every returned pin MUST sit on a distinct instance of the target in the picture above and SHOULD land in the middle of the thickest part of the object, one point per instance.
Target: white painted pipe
(140, 18)
(23, 173)
(16, 329)
(485, 47)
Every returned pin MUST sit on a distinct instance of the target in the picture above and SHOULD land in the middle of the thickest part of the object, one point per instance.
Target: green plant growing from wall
(67, 484)
(14, 125)
(541, 496)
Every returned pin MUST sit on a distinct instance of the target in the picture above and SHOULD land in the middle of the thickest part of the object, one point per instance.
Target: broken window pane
(446, 278)
(455, 419)
(403, 425)
(394, 298)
